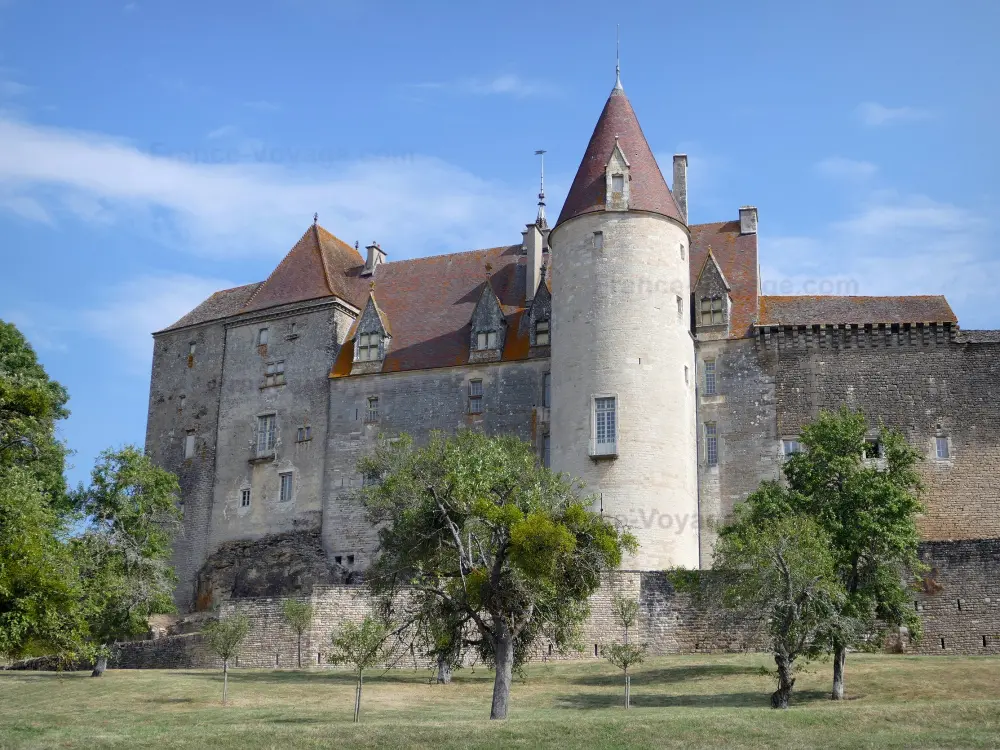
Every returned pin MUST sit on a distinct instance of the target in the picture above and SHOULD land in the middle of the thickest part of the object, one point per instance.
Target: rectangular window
(368, 346)
(711, 311)
(191, 348)
(245, 498)
(710, 377)
(873, 448)
(262, 337)
(486, 340)
(189, 440)
(618, 183)
(598, 240)
(547, 390)
(605, 425)
(350, 559)
(475, 397)
(545, 451)
(267, 428)
(286, 487)
(542, 333)
(788, 447)
(711, 444)
(303, 434)
(943, 449)
(372, 409)
(680, 308)
(274, 373)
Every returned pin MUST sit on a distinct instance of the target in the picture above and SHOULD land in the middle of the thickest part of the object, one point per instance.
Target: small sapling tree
(225, 638)
(299, 616)
(625, 655)
(362, 647)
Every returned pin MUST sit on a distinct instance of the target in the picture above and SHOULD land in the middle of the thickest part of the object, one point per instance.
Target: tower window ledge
(262, 458)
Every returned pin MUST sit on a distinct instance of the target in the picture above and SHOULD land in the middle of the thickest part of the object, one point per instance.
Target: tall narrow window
(368, 346)
(189, 445)
(680, 308)
(542, 333)
(274, 373)
(605, 425)
(266, 433)
(285, 493)
(598, 240)
(545, 451)
(192, 347)
(711, 311)
(942, 448)
(618, 183)
(711, 444)
(262, 337)
(475, 397)
(372, 409)
(245, 498)
(547, 390)
(710, 377)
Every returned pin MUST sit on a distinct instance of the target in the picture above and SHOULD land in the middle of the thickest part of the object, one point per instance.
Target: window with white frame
(274, 373)
(790, 446)
(285, 491)
(245, 498)
(542, 333)
(368, 346)
(475, 397)
(372, 414)
(486, 340)
(618, 184)
(262, 337)
(712, 311)
(267, 429)
(710, 384)
(711, 444)
(605, 425)
(189, 444)
(941, 448)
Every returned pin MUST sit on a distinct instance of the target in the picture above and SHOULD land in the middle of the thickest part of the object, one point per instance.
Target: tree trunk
(628, 685)
(779, 698)
(102, 664)
(357, 698)
(300, 650)
(503, 648)
(444, 670)
(839, 661)
(225, 680)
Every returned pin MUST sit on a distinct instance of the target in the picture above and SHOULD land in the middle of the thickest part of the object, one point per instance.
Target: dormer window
(618, 183)
(542, 333)
(712, 311)
(486, 340)
(368, 346)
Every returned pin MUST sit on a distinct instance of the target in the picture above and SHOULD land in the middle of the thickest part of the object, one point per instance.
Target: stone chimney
(748, 220)
(376, 255)
(680, 189)
(533, 246)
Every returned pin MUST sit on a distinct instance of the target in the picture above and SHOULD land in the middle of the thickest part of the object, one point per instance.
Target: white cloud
(412, 205)
(874, 114)
(507, 85)
(222, 132)
(838, 167)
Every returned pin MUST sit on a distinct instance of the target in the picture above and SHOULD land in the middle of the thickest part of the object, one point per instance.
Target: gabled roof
(320, 265)
(382, 317)
(844, 310)
(711, 263)
(736, 255)
(648, 190)
(220, 305)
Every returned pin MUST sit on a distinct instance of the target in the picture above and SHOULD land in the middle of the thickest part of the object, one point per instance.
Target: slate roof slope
(648, 190)
(845, 310)
(220, 305)
(736, 255)
(429, 304)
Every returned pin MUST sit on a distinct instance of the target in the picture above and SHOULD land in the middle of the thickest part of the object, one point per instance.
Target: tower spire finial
(541, 221)
(618, 59)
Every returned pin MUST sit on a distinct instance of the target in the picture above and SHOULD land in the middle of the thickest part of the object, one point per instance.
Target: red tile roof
(843, 310)
(648, 190)
(220, 305)
(736, 255)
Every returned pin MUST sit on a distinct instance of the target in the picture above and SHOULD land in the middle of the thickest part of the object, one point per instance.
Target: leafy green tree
(39, 586)
(362, 647)
(865, 495)
(30, 406)
(625, 655)
(299, 616)
(124, 551)
(225, 638)
(780, 574)
(474, 523)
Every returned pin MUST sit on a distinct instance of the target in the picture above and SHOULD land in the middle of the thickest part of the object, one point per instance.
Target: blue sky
(152, 152)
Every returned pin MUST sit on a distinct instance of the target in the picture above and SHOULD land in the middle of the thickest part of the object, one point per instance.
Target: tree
(475, 524)
(625, 655)
(124, 550)
(865, 495)
(780, 574)
(362, 647)
(225, 638)
(299, 616)
(30, 406)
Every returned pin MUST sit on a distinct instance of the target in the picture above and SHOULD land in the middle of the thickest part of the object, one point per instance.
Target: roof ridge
(322, 258)
(276, 269)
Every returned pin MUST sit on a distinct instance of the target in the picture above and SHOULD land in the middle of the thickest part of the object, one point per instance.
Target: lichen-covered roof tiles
(845, 310)
(220, 305)
(736, 255)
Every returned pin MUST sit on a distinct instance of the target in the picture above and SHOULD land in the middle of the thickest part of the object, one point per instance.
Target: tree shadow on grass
(335, 677)
(671, 674)
(170, 700)
(761, 699)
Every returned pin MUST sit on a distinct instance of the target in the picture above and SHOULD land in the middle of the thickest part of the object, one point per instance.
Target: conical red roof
(648, 190)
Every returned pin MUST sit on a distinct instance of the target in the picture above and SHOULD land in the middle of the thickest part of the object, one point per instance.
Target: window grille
(245, 499)
(267, 427)
(710, 377)
(542, 333)
(372, 409)
(711, 444)
(368, 346)
(286, 487)
(475, 397)
(605, 425)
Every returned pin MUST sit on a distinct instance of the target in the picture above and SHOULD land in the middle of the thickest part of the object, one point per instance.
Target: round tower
(622, 355)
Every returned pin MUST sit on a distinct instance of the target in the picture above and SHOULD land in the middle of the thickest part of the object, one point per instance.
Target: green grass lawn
(678, 701)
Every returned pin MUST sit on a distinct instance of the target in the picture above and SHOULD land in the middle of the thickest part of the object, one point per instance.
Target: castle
(632, 349)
